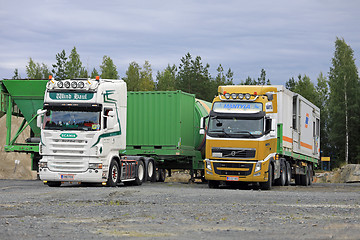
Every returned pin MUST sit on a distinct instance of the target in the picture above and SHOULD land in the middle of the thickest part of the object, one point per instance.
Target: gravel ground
(173, 210)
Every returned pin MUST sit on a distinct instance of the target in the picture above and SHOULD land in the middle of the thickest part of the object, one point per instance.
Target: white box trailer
(300, 121)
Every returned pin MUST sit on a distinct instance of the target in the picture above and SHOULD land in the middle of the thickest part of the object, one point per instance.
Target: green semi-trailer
(163, 126)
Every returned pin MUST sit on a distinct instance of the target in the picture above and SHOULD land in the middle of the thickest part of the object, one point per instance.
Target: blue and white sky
(286, 38)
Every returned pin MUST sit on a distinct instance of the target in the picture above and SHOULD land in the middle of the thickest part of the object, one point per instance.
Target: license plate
(67, 176)
(232, 178)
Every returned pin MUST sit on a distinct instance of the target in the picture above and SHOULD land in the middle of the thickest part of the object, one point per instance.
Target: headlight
(81, 84)
(74, 84)
(227, 95)
(60, 84)
(67, 84)
(42, 164)
(241, 96)
(208, 165)
(95, 165)
(233, 95)
(247, 96)
(257, 167)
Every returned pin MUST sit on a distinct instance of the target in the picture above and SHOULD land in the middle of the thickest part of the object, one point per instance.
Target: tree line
(337, 95)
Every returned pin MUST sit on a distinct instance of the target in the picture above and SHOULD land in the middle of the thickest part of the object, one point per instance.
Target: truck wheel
(140, 174)
(304, 179)
(114, 171)
(213, 184)
(297, 179)
(288, 174)
(282, 179)
(160, 175)
(310, 175)
(53, 184)
(267, 185)
(150, 171)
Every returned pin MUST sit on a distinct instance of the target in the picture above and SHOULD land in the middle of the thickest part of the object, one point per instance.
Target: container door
(296, 125)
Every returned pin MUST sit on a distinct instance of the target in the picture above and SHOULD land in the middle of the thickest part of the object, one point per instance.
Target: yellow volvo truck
(261, 134)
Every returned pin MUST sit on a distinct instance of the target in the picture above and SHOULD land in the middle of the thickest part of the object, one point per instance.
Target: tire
(213, 184)
(114, 173)
(288, 174)
(160, 175)
(305, 179)
(297, 179)
(53, 184)
(282, 179)
(140, 173)
(267, 185)
(311, 175)
(150, 171)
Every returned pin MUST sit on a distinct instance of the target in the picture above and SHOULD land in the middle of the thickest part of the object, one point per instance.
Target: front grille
(68, 154)
(234, 152)
(63, 163)
(231, 168)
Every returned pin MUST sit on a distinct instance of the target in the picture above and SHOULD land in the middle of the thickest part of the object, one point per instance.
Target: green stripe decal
(105, 135)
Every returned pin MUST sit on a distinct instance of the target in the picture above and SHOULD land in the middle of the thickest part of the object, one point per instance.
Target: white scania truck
(83, 127)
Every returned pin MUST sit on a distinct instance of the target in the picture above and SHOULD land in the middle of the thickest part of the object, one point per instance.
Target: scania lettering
(261, 134)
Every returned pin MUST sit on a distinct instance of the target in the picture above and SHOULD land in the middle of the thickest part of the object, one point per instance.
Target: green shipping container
(165, 125)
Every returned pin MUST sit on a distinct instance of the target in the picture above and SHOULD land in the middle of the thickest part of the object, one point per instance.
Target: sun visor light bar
(240, 96)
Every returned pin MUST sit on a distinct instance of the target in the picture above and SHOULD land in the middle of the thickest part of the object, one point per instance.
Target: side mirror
(40, 114)
(273, 128)
(202, 125)
(270, 96)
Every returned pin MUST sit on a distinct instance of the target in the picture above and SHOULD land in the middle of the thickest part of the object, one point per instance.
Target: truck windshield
(235, 127)
(72, 120)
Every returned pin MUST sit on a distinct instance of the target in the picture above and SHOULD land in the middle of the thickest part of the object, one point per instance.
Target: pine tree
(108, 69)
(73, 67)
(193, 77)
(59, 67)
(166, 79)
(132, 77)
(146, 79)
(16, 74)
(94, 73)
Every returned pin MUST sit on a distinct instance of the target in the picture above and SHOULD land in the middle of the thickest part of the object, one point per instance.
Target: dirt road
(31, 210)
